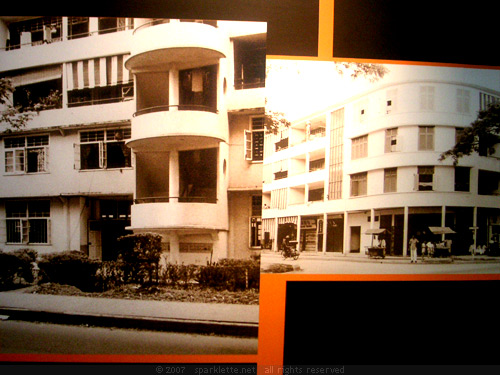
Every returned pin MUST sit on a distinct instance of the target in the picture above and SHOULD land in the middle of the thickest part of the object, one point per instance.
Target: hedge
(71, 268)
(17, 267)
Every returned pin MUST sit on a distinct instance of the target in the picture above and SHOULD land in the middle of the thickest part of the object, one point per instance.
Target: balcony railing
(180, 107)
(193, 199)
(34, 43)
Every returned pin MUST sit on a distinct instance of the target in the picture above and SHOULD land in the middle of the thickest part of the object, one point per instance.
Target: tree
(481, 137)
(11, 115)
(372, 72)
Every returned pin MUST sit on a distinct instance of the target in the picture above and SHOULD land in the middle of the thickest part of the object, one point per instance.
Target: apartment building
(137, 125)
(372, 162)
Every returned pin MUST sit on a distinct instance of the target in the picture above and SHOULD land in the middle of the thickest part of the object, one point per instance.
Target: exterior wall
(240, 211)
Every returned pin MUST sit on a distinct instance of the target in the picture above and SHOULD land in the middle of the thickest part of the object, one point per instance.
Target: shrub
(180, 274)
(16, 267)
(140, 254)
(231, 274)
(69, 267)
(109, 275)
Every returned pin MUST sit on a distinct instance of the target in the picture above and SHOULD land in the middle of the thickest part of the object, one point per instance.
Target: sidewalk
(361, 257)
(225, 319)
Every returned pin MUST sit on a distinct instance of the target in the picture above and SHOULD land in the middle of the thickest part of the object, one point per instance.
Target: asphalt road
(328, 265)
(41, 338)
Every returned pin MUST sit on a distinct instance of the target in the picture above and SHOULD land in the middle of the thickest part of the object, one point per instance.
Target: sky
(299, 88)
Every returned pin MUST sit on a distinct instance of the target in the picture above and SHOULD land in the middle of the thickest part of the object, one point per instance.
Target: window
(115, 209)
(78, 27)
(101, 149)
(485, 100)
(249, 63)
(391, 140)
(26, 154)
(28, 222)
(34, 31)
(113, 24)
(390, 180)
(359, 184)
(427, 98)
(463, 101)
(280, 169)
(426, 138)
(256, 221)
(425, 178)
(462, 179)
(316, 165)
(359, 147)
(254, 140)
(390, 102)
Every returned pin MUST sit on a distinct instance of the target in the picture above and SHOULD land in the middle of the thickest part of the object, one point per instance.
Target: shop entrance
(335, 234)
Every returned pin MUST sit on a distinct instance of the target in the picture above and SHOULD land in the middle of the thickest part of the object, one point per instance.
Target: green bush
(16, 267)
(69, 267)
(140, 254)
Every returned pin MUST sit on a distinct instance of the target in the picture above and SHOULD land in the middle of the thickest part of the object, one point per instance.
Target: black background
(392, 323)
(361, 322)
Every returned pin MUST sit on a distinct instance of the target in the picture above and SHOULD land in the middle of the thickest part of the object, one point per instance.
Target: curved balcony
(179, 215)
(164, 127)
(179, 44)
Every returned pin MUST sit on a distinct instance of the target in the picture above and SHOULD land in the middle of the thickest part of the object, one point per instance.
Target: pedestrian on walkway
(413, 249)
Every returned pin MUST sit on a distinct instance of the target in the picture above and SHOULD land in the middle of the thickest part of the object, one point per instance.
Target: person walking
(413, 249)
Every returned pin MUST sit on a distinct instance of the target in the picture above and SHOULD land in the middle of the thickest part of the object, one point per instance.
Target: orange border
(128, 358)
(273, 303)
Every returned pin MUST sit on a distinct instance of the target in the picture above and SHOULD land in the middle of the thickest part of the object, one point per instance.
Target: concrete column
(299, 221)
(275, 246)
(173, 176)
(474, 230)
(93, 25)
(173, 89)
(346, 233)
(405, 232)
(64, 29)
(325, 228)
(372, 218)
(174, 248)
(443, 220)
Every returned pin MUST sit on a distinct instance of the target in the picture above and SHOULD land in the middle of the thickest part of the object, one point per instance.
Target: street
(320, 264)
(41, 338)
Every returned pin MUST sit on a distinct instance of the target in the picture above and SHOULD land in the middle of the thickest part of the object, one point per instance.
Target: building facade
(372, 162)
(137, 125)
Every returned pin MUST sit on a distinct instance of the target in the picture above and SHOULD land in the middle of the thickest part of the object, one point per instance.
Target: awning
(375, 231)
(441, 230)
(98, 72)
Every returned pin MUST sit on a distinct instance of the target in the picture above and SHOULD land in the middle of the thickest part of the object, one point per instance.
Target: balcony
(172, 126)
(179, 44)
(179, 215)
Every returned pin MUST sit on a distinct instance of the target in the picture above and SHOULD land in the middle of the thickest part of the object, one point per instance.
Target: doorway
(355, 239)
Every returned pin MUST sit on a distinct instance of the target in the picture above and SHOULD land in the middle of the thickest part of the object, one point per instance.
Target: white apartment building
(372, 162)
(145, 125)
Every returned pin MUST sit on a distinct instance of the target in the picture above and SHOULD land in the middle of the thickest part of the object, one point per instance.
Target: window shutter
(77, 159)
(102, 155)
(415, 181)
(248, 145)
